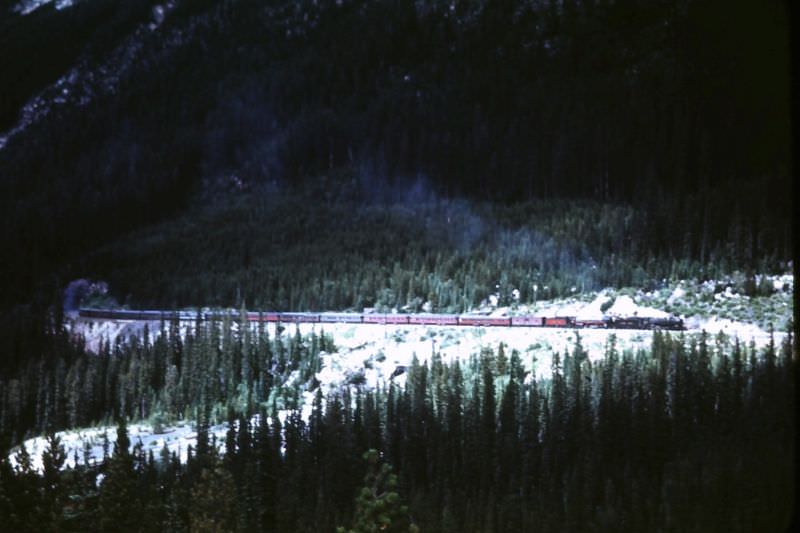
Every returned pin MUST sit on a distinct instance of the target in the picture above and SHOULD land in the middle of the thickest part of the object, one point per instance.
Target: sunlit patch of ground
(371, 355)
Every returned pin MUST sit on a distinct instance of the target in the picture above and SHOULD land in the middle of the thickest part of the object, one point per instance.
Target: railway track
(647, 323)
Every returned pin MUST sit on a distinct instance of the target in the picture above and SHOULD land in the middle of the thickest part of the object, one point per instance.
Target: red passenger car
(559, 321)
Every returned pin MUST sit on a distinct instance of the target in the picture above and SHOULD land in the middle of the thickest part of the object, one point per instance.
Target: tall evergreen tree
(55, 491)
(119, 497)
(378, 505)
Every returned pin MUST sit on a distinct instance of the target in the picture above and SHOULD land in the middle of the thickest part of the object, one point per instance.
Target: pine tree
(119, 498)
(378, 505)
(7, 507)
(53, 460)
(508, 442)
(488, 425)
(24, 492)
(213, 498)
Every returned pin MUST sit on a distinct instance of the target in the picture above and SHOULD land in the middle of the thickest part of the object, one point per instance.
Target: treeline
(174, 374)
(508, 100)
(690, 435)
(334, 246)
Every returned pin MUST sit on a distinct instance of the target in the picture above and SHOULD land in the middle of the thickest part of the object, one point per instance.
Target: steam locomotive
(632, 322)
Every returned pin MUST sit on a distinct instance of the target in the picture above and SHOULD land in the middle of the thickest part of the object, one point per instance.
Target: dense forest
(396, 155)
(692, 434)
(663, 107)
(411, 250)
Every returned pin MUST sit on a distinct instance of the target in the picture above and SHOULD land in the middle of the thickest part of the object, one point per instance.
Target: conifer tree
(7, 507)
(119, 498)
(24, 490)
(378, 504)
(508, 457)
(53, 460)
(213, 498)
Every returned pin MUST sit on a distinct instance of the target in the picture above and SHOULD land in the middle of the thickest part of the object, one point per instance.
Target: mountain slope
(142, 112)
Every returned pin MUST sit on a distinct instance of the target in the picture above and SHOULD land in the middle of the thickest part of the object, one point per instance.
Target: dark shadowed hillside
(678, 108)
(623, 161)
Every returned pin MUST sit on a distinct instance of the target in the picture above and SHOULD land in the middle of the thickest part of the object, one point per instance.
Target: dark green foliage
(321, 250)
(212, 507)
(119, 502)
(169, 378)
(689, 435)
(267, 153)
(378, 505)
(633, 103)
(54, 494)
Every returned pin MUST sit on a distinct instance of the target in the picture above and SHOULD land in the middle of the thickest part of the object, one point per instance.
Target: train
(431, 319)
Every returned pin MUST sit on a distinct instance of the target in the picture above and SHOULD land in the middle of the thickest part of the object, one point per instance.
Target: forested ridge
(653, 105)
(322, 249)
(692, 434)
(348, 154)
